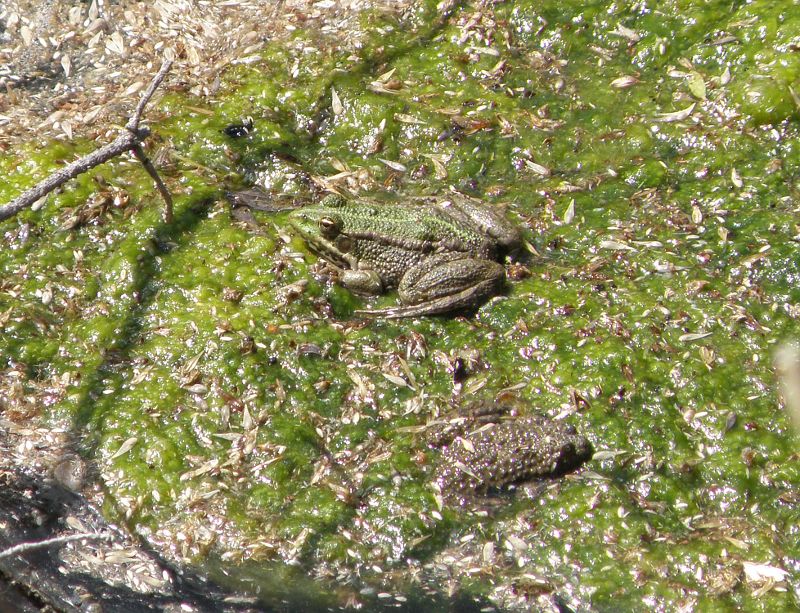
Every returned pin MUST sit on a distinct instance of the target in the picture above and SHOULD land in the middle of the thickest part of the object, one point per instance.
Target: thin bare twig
(129, 140)
(58, 540)
(133, 123)
(162, 189)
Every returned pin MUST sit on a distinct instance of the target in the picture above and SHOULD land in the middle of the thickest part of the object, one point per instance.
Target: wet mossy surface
(243, 419)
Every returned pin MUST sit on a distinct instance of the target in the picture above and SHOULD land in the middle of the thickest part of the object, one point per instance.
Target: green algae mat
(242, 418)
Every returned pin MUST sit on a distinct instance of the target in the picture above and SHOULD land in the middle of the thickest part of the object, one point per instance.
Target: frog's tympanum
(440, 257)
(484, 450)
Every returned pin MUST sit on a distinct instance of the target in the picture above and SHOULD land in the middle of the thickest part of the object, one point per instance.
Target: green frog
(440, 257)
(485, 448)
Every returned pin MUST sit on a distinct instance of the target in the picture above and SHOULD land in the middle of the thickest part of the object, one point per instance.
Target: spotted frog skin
(440, 257)
(484, 450)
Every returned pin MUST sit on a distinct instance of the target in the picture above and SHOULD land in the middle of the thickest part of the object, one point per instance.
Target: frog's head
(569, 449)
(320, 225)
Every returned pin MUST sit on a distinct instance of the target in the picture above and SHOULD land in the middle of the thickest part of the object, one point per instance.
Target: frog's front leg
(444, 283)
(355, 275)
(366, 282)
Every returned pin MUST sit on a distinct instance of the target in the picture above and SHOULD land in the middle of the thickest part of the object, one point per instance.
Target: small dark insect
(237, 130)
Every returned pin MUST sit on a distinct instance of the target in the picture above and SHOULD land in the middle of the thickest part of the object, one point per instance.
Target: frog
(441, 257)
(488, 448)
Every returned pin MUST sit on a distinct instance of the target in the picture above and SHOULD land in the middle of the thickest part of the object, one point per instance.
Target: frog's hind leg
(445, 284)
(465, 281)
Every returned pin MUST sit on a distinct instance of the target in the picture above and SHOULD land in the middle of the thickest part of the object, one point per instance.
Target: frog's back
(409, 223)
(509, 452)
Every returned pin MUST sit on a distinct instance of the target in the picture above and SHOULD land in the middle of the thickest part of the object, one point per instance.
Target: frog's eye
(328, 227)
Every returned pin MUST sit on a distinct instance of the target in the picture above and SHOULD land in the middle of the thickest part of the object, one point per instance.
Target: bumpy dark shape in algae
(510, 451)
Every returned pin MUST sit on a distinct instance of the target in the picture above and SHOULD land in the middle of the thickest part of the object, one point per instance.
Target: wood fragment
(59, 540)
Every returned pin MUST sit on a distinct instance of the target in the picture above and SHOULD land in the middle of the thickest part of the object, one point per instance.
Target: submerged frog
(440, 257)
(484, 450)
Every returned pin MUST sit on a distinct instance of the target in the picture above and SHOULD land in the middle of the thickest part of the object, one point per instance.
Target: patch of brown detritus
(75, 69)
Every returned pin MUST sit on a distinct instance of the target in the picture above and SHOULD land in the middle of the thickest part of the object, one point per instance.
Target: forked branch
(130, 139)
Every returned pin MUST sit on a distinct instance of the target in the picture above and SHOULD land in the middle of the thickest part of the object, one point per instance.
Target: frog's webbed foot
(327, 272)
(461, 301)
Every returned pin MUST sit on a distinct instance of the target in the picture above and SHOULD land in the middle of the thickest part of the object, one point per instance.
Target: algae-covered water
(243, 419)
